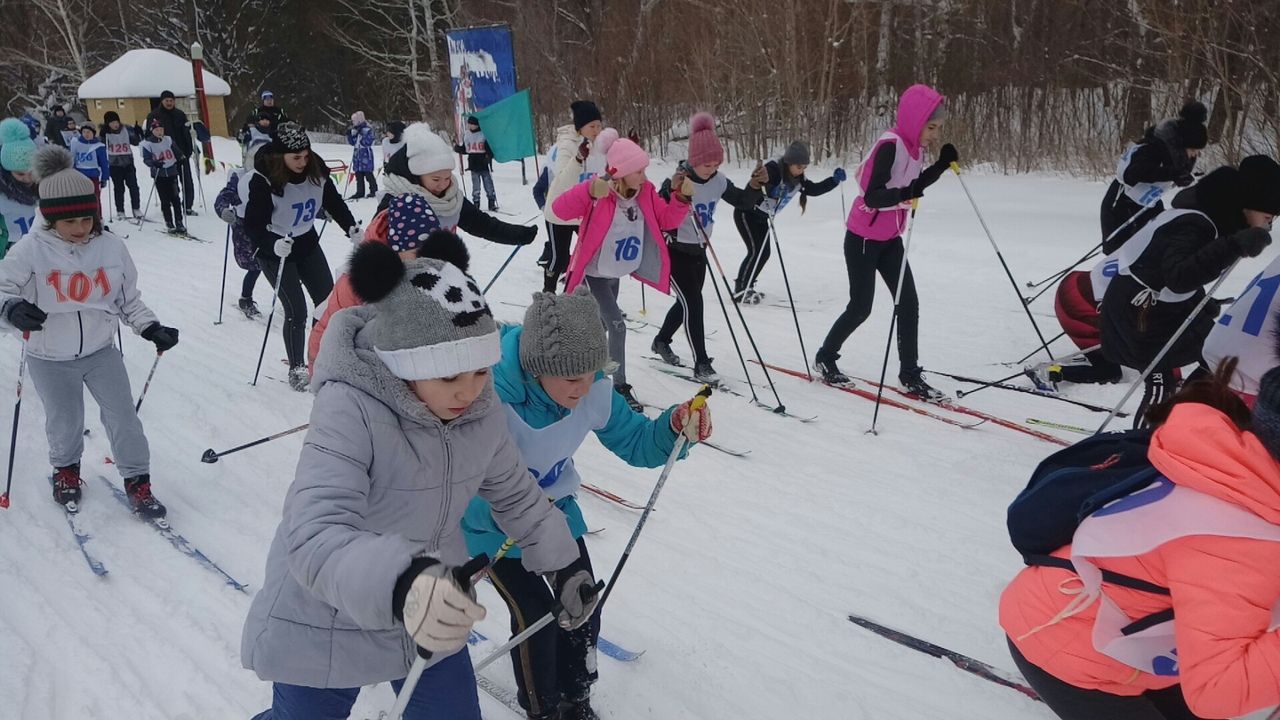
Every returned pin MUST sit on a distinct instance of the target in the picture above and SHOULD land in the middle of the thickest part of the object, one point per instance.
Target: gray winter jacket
(380, 480)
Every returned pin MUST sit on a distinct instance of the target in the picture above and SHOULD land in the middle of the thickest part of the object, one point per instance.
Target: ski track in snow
(738, 589)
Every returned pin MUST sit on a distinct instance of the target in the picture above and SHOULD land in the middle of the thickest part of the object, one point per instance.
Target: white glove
(438, 613)
(576, 611)
(355, 234)
(694, 424)
(283, 247)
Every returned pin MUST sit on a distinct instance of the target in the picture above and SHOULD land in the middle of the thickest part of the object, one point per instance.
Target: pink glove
(694, 424)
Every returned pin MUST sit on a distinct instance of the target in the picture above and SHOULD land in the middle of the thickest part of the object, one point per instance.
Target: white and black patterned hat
(291, 138)
(432, 320)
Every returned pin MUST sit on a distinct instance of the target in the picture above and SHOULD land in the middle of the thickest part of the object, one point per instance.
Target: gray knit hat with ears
(563, 335)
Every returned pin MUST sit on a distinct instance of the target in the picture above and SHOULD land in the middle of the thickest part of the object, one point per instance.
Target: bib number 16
(627, 250)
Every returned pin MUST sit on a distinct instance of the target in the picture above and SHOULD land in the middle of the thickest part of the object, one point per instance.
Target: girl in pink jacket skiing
(621, 234)
(893, 175)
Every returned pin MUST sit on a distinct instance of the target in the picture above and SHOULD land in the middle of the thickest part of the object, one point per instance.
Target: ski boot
(357, 196)
(178, 230)
(831, 375)
(299, 379)
(1045, 377)
(66, 486)
(625, 391)
(120, 217)
(913, 381)
(493, 205)
(249, 308)
(578, 710)
(140, 498)
(752, 297)
(190, 212)
(704, 373)
(169, 227)
(662, 349)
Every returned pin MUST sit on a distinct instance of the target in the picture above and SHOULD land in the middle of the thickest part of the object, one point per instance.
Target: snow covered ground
(739, 589)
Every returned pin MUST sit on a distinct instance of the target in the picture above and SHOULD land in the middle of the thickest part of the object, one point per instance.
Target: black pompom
(446, 246)
(1195, 112)
(375, 270)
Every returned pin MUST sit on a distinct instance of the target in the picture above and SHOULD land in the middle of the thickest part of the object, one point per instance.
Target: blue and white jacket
(548, 435)
(90, 159)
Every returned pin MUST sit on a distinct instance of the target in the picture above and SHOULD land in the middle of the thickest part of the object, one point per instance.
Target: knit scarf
(448, 209)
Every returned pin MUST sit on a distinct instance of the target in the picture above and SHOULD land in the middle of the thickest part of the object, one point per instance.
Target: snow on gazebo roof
(146, 74)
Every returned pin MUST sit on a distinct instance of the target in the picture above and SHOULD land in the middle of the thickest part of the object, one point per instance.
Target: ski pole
(463, 576)
(728, 323)
(498, 274)
(777, 244)
(17, 410)
(212, 456)
(699, 401)
(1057, 275)
(267, 333)
(746, 331)
(644, 308)
(222, 295)
(1150, 204)
(586, 593)
(893, 318)
(955, 167)
(1167, 346)
(993, 383)
(143, 218)
(147, 385)
(1033, 352)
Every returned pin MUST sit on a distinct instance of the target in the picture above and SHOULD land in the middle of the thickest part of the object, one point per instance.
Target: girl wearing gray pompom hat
(551, 380)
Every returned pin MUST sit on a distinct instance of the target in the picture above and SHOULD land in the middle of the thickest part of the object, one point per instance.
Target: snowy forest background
(1033, 84)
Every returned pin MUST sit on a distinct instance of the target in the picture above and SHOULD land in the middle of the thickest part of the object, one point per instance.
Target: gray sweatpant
(605, 291)
(61, 384)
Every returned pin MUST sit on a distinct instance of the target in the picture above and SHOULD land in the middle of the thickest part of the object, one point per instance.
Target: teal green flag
(508, 126)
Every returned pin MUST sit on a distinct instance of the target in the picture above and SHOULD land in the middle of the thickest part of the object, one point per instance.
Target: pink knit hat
(704, 146)
(625, 157)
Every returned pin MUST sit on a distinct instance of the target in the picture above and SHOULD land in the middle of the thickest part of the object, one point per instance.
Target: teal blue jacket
(630, 435)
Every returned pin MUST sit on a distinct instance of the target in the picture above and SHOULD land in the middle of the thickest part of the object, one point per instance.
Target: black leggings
(555, 664)
(1099, 370)
(1073, 703)
(250, 280)
(753, 226)
(125, 176)
(310, 270)
(863, 259)
(555, 254)
(688, 274)
(373, 184)
(170, 202)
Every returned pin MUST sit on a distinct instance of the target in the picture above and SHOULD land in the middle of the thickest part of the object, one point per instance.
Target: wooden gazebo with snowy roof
(132, 84)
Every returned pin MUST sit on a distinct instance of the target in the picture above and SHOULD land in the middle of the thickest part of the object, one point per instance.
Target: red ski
(617, 499)
(872, 396)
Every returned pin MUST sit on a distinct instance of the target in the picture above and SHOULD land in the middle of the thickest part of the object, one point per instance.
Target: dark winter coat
(1159, 158)
(257, 213)
(229, 197)
(176, 126)
(481, 161)
(473, 220)
(361, 138)
(54, 127)
(778, 191)
(1184, 255)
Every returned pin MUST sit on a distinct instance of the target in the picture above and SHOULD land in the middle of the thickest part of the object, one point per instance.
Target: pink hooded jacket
(1223, 589)
(659, 215)
(916, 105)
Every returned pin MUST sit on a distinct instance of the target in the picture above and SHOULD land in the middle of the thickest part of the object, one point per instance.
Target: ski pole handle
(587, 593)
(955, 167)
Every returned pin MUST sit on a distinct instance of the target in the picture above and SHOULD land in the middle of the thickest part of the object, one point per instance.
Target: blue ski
(82, 538)
(162, 526)
(617, 652)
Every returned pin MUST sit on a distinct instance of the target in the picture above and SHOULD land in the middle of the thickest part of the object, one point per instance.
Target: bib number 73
(304, 212)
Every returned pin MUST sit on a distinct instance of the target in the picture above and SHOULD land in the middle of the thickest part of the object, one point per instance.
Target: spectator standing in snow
(56, 125)
(360, 136)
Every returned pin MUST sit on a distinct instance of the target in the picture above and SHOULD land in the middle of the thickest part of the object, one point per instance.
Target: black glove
(164, 337)
(1250, 242)
(460, 149)
(528, 235)
(25, 316)
(1184, 179)
(948, 154)
(575, 589)
(584, 149)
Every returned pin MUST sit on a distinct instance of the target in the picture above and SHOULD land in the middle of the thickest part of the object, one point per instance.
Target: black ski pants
(125, 176)
(170, 202)
(688, 274)
(555, 664)
(555, 254)
(1073, 703)
(753, 226)
(309, 270)
(863, 259)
